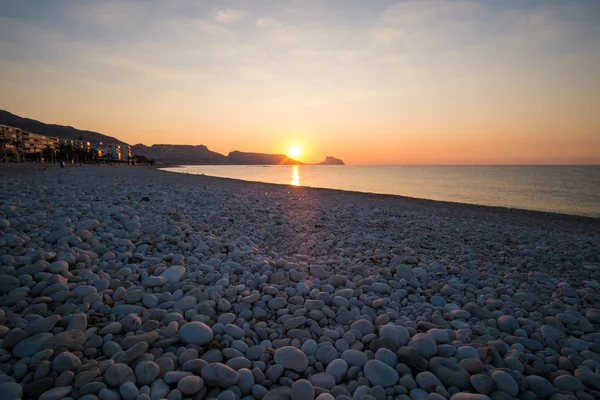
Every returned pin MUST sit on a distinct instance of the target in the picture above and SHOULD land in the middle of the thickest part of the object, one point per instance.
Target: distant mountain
(241, 158)
(330, 161)
(179, 154)
(61, 131)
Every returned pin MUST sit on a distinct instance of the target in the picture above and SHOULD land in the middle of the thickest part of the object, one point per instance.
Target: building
(113, 151)
(9, 143)
(76, 144)
(126, 152)
(34, 143)
(108, 151)
(19, 145)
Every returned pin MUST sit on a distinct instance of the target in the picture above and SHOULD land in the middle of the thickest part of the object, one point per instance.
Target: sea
(558, 189)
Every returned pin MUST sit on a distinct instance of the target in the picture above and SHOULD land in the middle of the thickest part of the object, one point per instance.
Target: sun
(295, 151)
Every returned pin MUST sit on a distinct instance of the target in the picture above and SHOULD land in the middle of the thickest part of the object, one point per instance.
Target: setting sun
(295, 151)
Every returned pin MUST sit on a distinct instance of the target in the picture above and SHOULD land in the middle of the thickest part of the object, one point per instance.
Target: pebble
(56, 393)
(540, 386)
(220, 375)
(215, 289)
(11, 390)
(302, 390)
(291, 358)
(190, 385)
(31, 345)
(146, 372)
(449, 372)
(118, 374)
(505, 383)
(380, 374)
(196, 333)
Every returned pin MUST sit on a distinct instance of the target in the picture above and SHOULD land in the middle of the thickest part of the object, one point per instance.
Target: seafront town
(153, 285)
(18, 145)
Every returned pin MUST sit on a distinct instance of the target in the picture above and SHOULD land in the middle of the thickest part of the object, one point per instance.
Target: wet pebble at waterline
(232, 291)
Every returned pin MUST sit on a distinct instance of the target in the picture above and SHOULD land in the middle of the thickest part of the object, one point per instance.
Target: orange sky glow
(389, 82)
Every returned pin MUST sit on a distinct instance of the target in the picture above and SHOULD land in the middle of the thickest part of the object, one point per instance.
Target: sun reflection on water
(295, 176)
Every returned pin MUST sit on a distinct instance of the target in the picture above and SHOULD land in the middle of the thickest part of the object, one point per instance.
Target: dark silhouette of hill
(179, 154)
(61, 131)
(330, 161)
(242, 158)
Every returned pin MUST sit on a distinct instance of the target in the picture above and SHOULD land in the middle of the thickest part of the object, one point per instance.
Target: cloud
(229, 15)
(268, 23)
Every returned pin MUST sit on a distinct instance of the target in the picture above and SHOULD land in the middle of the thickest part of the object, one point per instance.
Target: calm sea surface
(562, 189)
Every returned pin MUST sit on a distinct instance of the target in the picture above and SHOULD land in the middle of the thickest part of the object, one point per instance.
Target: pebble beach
(138, 284)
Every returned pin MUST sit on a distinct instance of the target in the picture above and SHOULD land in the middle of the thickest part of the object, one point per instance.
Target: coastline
(502, 195)
(467, 207)
(196, 285)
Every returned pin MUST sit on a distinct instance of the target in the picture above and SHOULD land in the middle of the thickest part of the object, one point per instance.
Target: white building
(113, 151)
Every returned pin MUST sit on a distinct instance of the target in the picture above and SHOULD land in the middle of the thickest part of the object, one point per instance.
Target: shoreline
(500, 207)
(466, 207)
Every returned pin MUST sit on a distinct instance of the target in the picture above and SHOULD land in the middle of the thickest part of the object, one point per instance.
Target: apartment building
(19, 145)
(9, 142)
(82, 145)
(33, 143)
(114, 151)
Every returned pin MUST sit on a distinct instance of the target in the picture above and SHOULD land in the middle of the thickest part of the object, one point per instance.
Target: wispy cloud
(384, 61)
(230, 15)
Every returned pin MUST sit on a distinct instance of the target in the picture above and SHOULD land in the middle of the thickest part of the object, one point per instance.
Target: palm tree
(47, 152)
(65, 151)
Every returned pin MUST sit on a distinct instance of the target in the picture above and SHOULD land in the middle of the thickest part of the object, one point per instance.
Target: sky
(371, 82)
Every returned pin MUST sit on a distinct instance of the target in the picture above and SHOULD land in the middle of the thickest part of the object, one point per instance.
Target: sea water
(559, 189)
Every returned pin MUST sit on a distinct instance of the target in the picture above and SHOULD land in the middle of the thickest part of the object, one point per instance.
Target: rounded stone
(540, 386)
(129, 391)
(354, 358)
(326, 354)
(11, 390)
(427, 381)
(217, 374)
(56, 393)
(65, 361)
(482, 383)
(302, 390)
(507, 324)
(174, 273)
(450, 372)
(322, 380)
(146, 372)
(190, 385)
(196, 333)
(337, 369)
(466, 352)
(291, 358)
(380, 374)
(117, 374)
(31, 345)
(363, 326)
(425, 344)
(506, 383)
(568, 383)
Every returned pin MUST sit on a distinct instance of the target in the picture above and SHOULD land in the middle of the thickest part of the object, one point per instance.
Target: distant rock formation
(200, 155)
(179, 154)
(242, 158)
(331, 161)
(60, 131)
